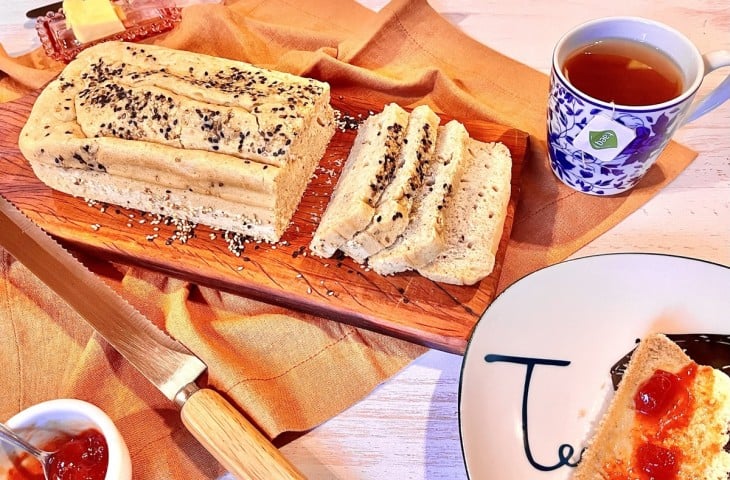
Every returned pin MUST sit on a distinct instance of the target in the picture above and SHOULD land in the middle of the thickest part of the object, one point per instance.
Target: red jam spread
(658, 463)
(78, 457)
(663, 402)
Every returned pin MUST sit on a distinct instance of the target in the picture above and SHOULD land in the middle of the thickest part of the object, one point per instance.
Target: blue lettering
(565, 451)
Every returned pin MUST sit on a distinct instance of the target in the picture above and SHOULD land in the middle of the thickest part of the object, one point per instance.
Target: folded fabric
(288, 371)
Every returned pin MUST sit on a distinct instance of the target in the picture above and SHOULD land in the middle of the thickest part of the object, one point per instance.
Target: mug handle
(720, 94)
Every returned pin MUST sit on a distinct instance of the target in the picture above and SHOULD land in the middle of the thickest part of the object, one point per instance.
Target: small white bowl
(44, 421)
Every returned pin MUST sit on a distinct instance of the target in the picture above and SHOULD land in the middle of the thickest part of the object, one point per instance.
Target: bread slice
(393, 210)
(474, 217)
(423, 238)
(695, 442)
(370, 167)
(204, 139)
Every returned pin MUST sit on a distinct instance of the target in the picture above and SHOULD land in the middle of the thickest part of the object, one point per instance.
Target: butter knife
(41, 11)
(55, 6)
(710, 349)
(166, 363)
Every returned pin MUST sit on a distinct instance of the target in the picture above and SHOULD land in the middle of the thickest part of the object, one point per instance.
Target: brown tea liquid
(624, 72)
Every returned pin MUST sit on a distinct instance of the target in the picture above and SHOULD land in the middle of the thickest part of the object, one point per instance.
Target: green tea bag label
(604, 138)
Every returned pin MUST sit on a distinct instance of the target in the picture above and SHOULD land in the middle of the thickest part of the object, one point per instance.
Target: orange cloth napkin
(287, 371)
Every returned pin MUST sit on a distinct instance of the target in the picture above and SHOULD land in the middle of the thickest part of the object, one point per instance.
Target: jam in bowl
(86, 441)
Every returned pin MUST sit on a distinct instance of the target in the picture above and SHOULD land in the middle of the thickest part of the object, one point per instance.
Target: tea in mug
(624, 72)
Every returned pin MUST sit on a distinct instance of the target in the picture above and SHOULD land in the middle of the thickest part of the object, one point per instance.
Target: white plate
(574, 320)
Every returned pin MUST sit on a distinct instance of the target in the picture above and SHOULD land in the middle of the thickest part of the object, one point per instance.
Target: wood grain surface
(405, 305)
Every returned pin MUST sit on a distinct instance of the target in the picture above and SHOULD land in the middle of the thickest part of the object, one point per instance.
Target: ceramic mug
(603, 148)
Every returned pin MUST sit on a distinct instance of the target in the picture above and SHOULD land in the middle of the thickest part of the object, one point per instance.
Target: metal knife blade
(40, 11)
(55, 6)
(165, 362)
(170, 366)
(710, 349)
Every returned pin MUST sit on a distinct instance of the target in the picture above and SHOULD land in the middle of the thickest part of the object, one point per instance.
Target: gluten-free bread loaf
(199, 138)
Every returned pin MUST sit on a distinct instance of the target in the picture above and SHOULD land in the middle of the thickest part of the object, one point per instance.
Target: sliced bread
(392, 212)
(677, 431)
(369, 168)
(423, 238)
(474, 217)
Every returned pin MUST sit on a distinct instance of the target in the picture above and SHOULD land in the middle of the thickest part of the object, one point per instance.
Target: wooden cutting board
(406, 305)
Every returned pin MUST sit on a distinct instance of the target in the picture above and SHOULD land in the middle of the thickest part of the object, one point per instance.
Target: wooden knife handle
(232, 440)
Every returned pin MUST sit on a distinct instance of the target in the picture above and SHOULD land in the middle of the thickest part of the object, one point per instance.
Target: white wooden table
(409, 428)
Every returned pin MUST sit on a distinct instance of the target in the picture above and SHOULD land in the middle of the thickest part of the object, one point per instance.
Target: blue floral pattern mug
(603, 148)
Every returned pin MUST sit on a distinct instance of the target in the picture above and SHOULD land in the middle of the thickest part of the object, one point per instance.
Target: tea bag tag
(604, 138)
